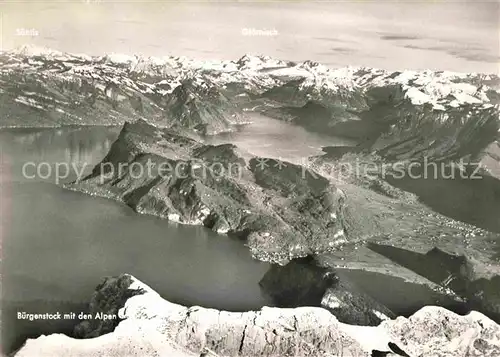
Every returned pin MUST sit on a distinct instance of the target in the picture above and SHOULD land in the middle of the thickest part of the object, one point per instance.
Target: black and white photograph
(272, 178)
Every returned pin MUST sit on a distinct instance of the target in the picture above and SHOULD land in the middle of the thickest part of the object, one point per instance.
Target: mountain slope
(151, 325)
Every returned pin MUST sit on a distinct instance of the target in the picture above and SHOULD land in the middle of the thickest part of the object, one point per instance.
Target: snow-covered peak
(259, 62)
(118, 58)
(33, 50)
(440, 89)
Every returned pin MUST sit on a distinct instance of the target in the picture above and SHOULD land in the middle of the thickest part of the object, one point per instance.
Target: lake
(57, 244)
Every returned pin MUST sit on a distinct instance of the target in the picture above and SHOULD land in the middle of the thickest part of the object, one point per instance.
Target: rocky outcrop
(153, 326)
(55, 89)
(437, 332)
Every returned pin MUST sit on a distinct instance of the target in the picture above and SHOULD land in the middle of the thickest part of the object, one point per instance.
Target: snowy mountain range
(48, 87)
(404, 114)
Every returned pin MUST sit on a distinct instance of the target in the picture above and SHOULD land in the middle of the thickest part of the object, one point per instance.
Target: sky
(460, 36)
